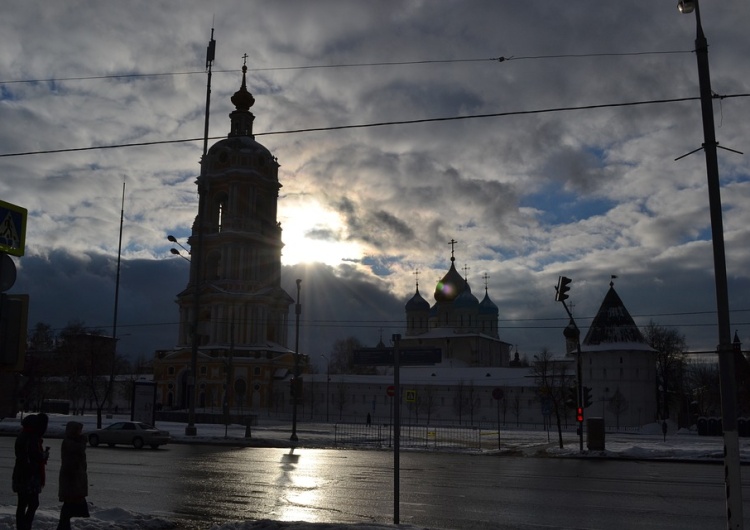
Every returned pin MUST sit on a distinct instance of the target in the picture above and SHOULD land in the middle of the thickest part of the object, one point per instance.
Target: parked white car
(133, 433)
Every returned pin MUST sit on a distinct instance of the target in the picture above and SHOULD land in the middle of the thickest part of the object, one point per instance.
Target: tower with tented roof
(619, 366)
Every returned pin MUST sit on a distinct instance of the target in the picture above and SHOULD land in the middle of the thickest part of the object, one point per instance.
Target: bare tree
(617, 405)
(427, 403)
(703, 380)
(341, 397)
(552, 381)
(471, 401)
(516, 408)
(342, 357)
(670, 363)
(459, 400)
(41, 337)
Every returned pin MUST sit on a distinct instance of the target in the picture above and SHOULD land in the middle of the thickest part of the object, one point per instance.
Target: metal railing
(412, 436)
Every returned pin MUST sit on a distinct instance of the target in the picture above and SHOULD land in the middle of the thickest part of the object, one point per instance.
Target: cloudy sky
(528, 195)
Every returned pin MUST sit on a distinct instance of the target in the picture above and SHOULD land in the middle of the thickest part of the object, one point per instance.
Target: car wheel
(137, 443)
(93, 440)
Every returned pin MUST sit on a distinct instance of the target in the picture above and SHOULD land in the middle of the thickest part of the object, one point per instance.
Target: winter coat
(73, 485)
(29, 469)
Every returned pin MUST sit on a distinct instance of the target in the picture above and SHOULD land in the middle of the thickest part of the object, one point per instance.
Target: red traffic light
(579, 414)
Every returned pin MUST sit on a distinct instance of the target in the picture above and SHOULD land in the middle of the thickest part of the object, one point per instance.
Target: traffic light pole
(560, 296)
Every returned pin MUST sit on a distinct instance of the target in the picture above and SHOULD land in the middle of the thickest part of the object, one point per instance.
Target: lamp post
(295, 386)
(328, 382)
(732, 479)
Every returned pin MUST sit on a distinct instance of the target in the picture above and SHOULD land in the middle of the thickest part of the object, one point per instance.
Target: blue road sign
(12, 228)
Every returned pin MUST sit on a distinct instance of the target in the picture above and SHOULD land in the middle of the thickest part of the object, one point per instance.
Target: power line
(382, 124)
(351, 65)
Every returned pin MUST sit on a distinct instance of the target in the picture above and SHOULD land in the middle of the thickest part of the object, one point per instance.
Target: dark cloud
(587, 193)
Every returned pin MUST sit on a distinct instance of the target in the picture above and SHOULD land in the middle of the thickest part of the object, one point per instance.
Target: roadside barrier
(412, 436)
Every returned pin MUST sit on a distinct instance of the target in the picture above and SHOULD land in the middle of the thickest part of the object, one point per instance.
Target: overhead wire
(381, 124)
(349, 65)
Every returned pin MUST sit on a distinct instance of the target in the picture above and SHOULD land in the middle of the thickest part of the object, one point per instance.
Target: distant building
(242, 309)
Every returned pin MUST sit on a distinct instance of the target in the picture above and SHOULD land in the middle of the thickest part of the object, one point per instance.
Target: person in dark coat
(29, 469)
(74, 482)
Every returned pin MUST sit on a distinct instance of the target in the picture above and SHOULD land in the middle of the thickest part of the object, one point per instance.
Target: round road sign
(391, 390)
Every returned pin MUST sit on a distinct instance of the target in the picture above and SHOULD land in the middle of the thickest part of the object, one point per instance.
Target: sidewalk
(647, 444)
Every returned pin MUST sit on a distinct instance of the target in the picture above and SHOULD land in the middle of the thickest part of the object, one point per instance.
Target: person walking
(29, 469)
(73, 486)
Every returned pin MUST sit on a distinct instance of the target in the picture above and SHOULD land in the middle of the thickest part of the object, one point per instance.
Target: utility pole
(732, 475)
(197, 250)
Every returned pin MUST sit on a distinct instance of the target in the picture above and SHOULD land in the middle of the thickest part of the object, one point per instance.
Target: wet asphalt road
(197, 485)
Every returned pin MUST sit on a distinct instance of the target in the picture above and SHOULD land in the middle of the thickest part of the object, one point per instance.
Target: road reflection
(299, 487)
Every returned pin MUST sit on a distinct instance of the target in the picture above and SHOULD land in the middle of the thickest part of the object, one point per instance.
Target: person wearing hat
(74, 482)
(29, 469)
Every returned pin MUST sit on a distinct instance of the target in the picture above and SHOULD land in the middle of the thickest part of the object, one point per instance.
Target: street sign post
(12, 228)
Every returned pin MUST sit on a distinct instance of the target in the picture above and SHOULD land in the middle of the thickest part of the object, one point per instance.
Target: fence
(411, 436)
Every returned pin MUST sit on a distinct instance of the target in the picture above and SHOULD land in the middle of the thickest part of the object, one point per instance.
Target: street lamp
(328, 382)
(732, 479)
(297, 312)
(176, 252)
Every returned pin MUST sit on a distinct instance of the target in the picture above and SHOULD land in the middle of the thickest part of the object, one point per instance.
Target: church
(234, 292)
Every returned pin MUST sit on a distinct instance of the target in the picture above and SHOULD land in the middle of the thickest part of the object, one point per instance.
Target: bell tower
(241, 301)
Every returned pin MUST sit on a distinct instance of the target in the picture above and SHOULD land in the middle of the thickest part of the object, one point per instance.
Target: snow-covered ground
(649, 443)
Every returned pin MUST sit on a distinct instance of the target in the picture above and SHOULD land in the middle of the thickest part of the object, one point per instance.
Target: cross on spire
(466, 272)
(452, 244)
(416, 275)
(485, 277)
(244, 60)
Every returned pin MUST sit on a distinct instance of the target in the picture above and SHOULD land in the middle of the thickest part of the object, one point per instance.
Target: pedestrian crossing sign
(12, 228)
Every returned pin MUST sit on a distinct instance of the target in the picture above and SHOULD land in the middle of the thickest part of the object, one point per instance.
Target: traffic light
(562, 288)
(579, 414)
(571, 399)
(586, 396)
(295, 387)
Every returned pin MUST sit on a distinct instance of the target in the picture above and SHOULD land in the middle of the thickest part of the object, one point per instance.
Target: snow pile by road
(118, 519)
